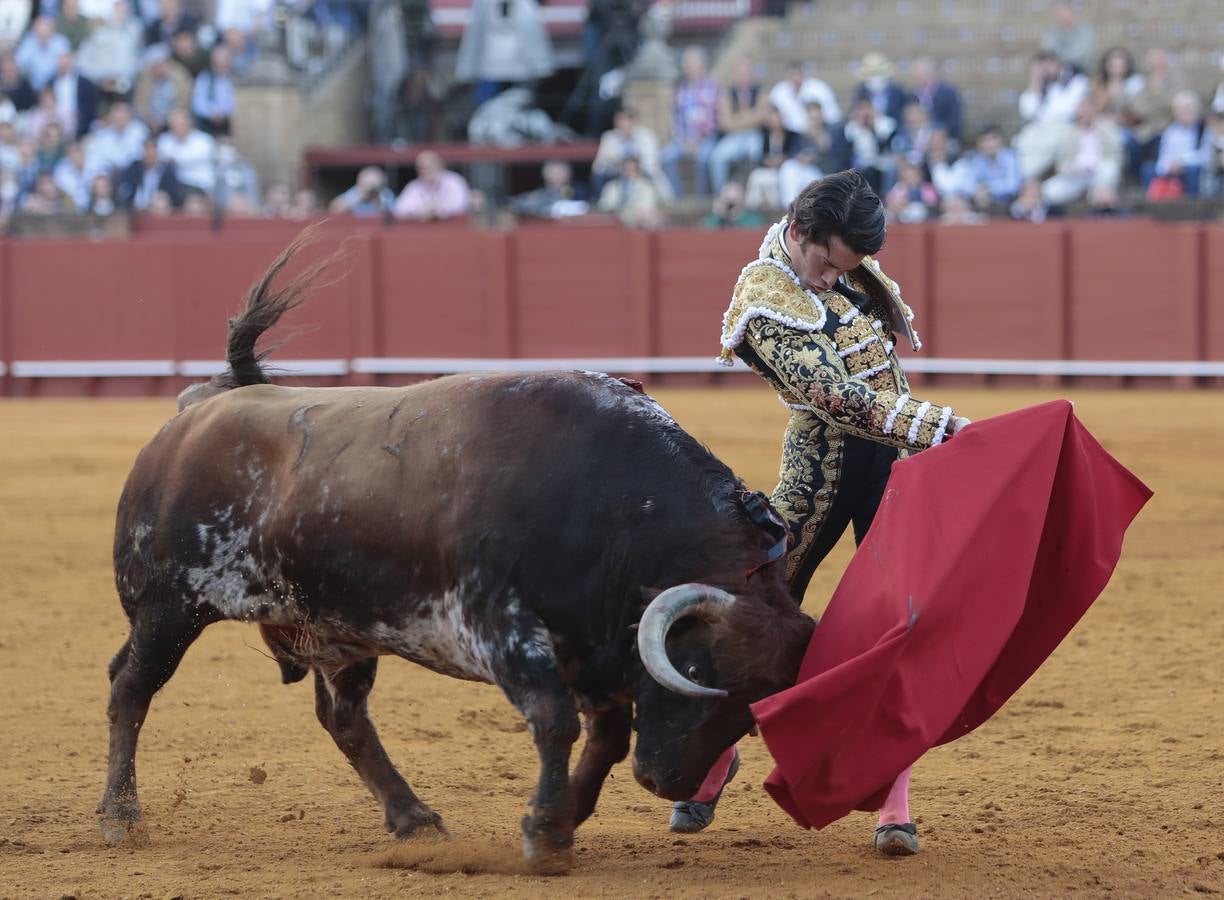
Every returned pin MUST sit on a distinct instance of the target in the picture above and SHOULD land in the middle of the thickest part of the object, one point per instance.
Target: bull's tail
(263, 308)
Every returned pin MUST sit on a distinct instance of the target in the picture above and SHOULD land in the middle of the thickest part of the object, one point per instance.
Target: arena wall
(1120, 300)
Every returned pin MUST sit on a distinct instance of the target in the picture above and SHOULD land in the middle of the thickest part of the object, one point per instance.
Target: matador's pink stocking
(895, 810)
(716, 778)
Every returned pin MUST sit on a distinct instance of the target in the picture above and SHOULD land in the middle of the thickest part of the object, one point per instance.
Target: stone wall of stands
(142, 316)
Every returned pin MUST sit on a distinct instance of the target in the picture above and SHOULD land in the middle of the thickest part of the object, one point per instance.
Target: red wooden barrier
(1132, 290)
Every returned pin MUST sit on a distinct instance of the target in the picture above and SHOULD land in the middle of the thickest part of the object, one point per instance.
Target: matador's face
(818, 265)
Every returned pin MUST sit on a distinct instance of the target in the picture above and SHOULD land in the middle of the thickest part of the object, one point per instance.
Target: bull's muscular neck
(766, 639)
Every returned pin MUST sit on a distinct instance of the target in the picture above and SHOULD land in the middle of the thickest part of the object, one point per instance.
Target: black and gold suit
(831, 358)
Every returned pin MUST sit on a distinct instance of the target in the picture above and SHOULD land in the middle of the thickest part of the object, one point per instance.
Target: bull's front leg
(607, 743)
(529, 675)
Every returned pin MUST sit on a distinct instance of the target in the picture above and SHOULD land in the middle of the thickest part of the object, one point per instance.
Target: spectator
(305, 204)
(1047, 106)
(939, 100)
(912, 136)
(110, 56)
(185, 49)
(236, 184)
(1089, 162)
(10, 157)
(821, 150)
(947, 173)
(741, 113)
(171, 18)
(161, 88)
(32, 122)
(148, 177)
(46, 199)
(39, 52)
(868, 133)
(75, 96)
(1185, 148)
(72, 175)
(101, 200)
(71, 24)
(729, 211)
(435, 193)
(1071, 41)
(879, 86)
(14, 84)
(777, 146)
(368, 197)
(1117, 83)
(1150, 112)
(51, 145)
(955, 210)
(248, 17)
(558, 198)
(992, 174)
(505, 42)
(694, 123)
(625, 138)
(278, 201)
(793, 93)
(193, 152)
(160, 205)
(913, 198)
(242, 49)
(1029, 205)
(212, 98)
(197, 205)
(117, 144)
(633, 198)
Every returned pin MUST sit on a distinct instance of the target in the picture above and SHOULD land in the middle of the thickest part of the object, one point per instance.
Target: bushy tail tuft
(264, 307)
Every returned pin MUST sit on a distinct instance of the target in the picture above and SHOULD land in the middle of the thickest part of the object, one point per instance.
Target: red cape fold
(983, 555)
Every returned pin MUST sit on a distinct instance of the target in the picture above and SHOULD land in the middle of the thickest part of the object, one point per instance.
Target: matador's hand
(957, 423)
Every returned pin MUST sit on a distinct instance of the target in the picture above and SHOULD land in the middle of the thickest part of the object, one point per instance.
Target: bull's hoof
(416, 823)
(123, 823)
(897, 840)
(548, 851)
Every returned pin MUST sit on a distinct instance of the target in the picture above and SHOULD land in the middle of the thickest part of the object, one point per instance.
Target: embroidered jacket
(825, 354)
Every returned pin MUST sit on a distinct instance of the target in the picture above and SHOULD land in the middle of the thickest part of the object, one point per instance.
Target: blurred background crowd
(115, 106)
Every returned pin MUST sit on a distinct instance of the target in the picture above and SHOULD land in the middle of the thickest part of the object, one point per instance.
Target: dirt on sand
(1104, 776)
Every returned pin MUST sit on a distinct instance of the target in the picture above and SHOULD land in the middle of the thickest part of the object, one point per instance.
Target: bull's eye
(693, 674)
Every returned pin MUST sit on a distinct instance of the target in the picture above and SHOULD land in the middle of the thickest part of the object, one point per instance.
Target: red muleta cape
(983, 555)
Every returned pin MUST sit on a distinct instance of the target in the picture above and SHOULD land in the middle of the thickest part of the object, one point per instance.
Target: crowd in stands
(1099, 133)
(115, 105)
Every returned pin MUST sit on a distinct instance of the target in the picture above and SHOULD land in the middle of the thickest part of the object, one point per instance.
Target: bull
(506, 528)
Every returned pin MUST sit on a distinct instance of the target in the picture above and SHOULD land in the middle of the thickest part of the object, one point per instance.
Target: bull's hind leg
(607, 743)
(340, 703)
(160, 636)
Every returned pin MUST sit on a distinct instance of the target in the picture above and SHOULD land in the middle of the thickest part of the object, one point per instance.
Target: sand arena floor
(1104, 776)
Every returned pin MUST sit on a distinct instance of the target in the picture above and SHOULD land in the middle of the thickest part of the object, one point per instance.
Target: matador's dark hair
(841, 204)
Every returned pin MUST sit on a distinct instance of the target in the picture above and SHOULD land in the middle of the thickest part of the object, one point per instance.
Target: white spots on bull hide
(229, 568)
(442, 638)
(450, 635)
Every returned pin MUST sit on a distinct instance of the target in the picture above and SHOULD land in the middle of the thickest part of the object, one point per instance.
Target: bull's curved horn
(665, 610)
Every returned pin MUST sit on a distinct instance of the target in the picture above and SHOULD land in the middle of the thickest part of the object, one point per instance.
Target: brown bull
(498, 528)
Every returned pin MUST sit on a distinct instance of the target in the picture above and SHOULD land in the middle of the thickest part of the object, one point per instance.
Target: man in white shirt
(793, 93)
(192, 151)
(118, 143)
(1048, 107)
(39, 52)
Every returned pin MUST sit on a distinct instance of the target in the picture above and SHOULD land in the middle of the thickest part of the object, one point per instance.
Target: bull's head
(708, 654)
